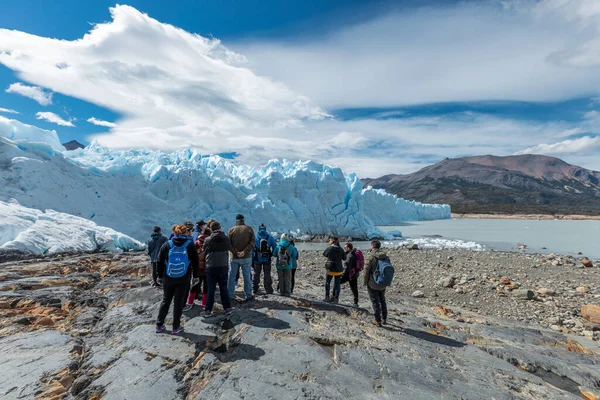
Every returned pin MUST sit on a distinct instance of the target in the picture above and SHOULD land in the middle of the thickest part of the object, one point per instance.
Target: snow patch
(37, 232)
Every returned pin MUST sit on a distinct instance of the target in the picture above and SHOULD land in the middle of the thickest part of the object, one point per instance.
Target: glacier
(133, 190)
(37, 232)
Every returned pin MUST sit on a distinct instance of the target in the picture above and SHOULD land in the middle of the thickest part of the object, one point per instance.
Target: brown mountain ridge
(529, 184)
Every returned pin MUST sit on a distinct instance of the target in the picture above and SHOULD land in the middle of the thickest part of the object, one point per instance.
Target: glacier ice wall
(131, 191)
(34, 231)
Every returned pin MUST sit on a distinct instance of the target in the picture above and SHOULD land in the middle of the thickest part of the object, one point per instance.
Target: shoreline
(567, 217)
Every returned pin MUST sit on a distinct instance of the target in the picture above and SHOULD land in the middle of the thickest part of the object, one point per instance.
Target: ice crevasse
(133, 190)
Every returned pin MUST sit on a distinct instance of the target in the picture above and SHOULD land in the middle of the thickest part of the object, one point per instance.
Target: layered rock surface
(81, 327)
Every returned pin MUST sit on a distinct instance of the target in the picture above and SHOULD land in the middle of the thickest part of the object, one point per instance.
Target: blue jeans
(336, 285)
(246, 265)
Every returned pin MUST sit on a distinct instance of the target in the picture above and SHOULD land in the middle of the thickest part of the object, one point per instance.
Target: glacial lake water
(540, 236)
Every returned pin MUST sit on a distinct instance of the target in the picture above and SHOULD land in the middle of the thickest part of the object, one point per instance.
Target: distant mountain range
(529, 184)
(73, 145)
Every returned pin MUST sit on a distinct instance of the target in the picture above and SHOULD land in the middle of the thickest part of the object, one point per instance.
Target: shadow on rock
(238, 351)
(258, 319)
(431, 337)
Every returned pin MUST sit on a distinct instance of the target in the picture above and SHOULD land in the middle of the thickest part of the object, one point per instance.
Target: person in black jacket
(216, 248)
(350, 273)
(154, 245)
(335, 268)
(176, 289)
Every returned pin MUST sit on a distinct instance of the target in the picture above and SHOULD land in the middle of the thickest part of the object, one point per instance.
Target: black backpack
(263, 249)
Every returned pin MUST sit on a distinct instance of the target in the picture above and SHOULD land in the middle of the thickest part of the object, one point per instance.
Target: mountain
(73, 145)
(513, 184)
(131, 191)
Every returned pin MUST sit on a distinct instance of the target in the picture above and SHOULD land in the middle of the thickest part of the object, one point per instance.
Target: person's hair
(283, 236)
(200, 223)
(173, 227)
(335, 239)
(189, 224)
(292, 242)
(376, 244)
(209, 222)
(349, 245)
(215, 226)
(179, 230)
(156, 229)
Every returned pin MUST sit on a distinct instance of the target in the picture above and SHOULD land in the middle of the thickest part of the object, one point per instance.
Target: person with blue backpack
(178, 262)
(379, 274)
(263, 251)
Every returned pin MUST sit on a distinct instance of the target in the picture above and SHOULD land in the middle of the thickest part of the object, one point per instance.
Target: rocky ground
(81, 327)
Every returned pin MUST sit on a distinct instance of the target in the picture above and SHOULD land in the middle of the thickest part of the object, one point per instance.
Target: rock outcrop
(81, 327)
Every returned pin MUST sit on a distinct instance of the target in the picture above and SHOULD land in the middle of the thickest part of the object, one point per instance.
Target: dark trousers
(154, 272)
(220, 276)
(379, 304)
(354, 287)
(268, 280)
(336, 285)
(293, 279)
(174, 290)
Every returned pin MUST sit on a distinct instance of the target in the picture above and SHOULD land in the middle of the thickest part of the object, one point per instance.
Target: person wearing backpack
(264, 250)
(378, 276)
(216, 248)
(177, 263)
(154, 245)
(354, 263)
(335, 268)
(202, 286)
(285, 253)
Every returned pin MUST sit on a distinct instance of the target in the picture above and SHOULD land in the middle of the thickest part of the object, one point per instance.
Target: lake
(558, 236)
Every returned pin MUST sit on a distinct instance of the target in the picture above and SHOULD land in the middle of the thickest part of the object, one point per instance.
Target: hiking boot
(206, 313)
(160, 329)
(249, 299)
(356, 304)
(229, 311)
(177, 331)
(376, 323)
(188, 307)
(334, 300)
(384, 322)
(327, 299)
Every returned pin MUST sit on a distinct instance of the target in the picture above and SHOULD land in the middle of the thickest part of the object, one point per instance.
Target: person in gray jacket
(217, 247)
(154, 245)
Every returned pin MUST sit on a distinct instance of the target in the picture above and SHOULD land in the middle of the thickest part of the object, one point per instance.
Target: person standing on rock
(177, 263)
(263, 251)
(202, 286)
(285, 254)
(376, 292)
(335, 268)
(295, 264)
(154, 245)
(242, 242)
(352, 269)
(216, 248)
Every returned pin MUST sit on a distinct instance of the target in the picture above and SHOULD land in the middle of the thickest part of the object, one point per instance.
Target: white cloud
(33, 92)
(8, 111)
(175, 89)
(583, 144)
(53, 118)
(100, 122)
(466, 51)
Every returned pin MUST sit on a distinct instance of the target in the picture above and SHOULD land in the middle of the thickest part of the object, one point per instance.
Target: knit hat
(262, 227)
(200, 223)
(156, 229)
(238, 217)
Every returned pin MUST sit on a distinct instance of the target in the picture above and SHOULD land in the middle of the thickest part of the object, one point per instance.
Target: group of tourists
(197, 258)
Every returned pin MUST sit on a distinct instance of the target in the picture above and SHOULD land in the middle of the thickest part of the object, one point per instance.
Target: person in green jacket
(285, 256)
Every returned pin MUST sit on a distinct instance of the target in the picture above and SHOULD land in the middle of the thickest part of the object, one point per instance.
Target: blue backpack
(384, 274)
(178, 262)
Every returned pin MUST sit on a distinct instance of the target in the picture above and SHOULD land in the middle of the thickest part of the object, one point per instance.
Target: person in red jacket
(202, 286)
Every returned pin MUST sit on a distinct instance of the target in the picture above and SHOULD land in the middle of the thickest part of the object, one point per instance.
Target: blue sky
(373, 86)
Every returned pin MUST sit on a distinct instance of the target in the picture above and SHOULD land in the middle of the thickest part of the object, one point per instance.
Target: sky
(374, 87)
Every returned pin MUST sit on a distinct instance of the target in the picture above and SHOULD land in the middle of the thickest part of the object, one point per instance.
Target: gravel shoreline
(543, 290)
